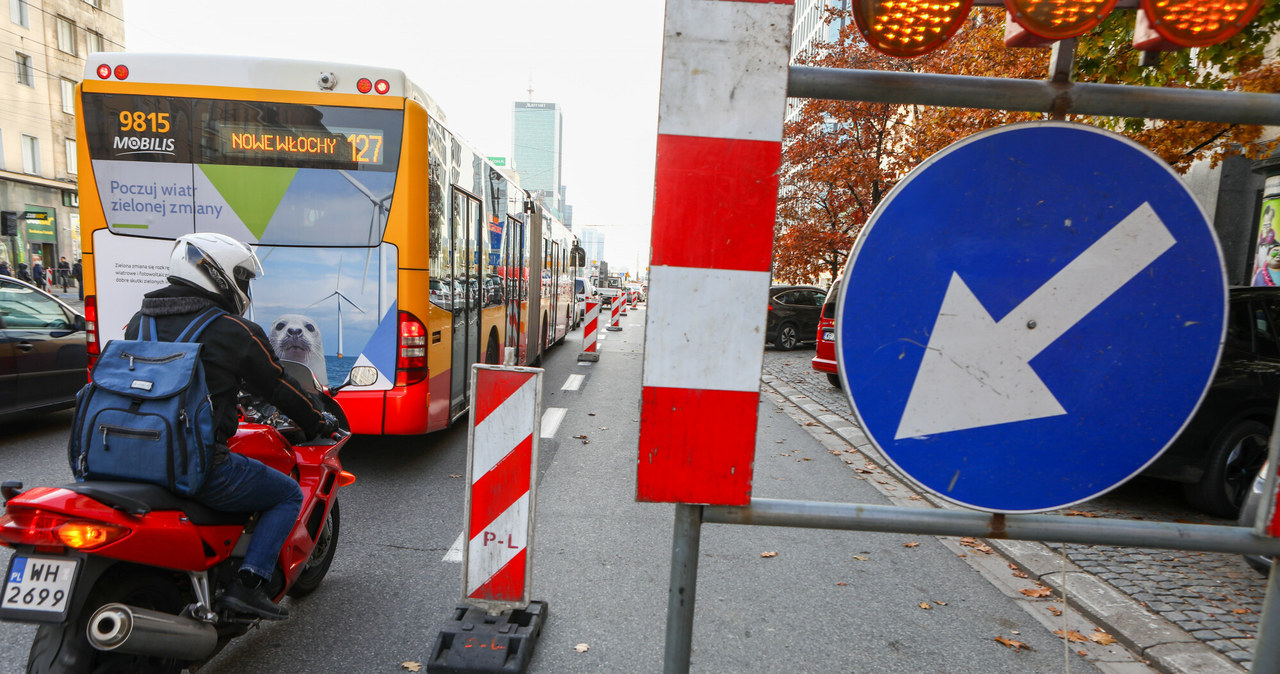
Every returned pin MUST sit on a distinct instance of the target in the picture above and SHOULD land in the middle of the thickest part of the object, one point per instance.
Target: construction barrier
(497, 626)
(716, 183)
(615, 306)
(590, 329)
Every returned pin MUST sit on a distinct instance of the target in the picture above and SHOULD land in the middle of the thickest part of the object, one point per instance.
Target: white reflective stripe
(724, 69)
(454, 554)
(705, 328)
(504, 428)
(497, 544)
(573, 383)
(551, 421)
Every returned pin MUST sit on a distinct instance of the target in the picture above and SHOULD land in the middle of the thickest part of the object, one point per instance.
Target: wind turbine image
(381, 209)
(338, 293)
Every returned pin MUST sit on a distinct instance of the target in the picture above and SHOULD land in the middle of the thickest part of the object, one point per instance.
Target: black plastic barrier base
(477, 642)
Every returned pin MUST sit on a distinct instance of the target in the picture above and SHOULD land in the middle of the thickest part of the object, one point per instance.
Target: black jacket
(236, 356)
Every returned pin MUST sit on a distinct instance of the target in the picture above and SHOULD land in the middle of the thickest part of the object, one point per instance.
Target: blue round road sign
(1031, 316)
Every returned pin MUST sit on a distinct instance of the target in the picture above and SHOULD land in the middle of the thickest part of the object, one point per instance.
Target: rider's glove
(328, 425)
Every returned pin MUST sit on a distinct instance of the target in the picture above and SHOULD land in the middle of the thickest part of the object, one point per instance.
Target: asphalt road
(826, 602)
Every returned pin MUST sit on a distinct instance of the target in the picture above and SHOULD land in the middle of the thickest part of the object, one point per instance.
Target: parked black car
(1218, 454)
(793, 315)
(43, 354)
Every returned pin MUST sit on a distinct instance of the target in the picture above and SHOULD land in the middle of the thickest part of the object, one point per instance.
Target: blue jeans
(241, 484)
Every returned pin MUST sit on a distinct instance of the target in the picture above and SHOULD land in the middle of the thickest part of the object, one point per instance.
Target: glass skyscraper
(536, 137)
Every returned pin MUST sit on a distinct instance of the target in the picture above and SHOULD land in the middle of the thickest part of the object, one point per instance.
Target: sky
(600, 61)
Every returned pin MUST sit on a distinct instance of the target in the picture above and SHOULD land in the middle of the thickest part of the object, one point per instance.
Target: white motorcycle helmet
(217, 263)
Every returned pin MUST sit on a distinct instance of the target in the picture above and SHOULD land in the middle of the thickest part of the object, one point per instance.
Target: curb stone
(1168, 648)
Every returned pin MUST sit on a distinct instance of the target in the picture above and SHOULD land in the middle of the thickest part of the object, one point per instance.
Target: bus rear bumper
(401, 411)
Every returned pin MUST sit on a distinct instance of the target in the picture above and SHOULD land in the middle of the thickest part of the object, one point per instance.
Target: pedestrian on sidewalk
(37, 272)
(64, 272)
(23, 274)
(78, 272)
(4, 268)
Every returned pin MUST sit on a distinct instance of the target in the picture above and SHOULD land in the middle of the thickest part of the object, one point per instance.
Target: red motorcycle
(122, 576)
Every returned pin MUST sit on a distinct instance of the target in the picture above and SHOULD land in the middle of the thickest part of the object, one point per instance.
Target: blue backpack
(146, 415)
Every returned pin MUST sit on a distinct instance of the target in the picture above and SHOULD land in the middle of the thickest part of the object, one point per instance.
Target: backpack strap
(198, 324)
(148, 329)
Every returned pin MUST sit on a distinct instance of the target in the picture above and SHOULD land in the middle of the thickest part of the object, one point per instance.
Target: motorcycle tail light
(52, 530)
(86, 535)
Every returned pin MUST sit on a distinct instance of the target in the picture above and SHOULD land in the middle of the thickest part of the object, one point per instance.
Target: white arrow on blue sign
(1031, 316)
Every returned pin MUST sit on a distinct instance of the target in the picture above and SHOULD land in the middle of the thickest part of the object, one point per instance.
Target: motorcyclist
(208, 269)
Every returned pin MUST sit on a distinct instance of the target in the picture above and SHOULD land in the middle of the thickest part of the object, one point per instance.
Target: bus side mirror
(578, 256)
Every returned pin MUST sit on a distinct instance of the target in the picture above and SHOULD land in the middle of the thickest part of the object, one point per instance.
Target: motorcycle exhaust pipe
(129, 629)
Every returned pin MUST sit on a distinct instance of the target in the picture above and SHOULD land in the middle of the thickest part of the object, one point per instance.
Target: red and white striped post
(590, 328)
(614, 306)
(502, 455)
(720, 115)
(625, 297)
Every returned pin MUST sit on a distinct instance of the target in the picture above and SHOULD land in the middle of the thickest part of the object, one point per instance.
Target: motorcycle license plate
(38, 588)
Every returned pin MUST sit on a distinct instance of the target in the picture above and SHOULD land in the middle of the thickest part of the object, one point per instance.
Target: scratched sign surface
(1031, 316)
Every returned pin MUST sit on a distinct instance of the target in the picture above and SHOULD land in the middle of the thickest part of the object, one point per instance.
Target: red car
(825, 358)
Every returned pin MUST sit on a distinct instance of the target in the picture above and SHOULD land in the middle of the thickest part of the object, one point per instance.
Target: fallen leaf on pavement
(1055, 610)
(769, 554)
(1017, 573)
(912, 544)
(841, 584)
(1036, 591)
(861, 558)
(943, 603)
(582, 648)
(1082, 653)
(1241, 611)
(925, 605)
(970, 542)
(1102, 638)
(863, 470)
(411, 666)
(455, 474)
(1071, 635)
(1080, 513)
(1015, 645)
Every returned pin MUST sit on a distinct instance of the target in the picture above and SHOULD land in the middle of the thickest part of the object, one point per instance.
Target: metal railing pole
(684, 585)
(1002, 93)
(1266, 652)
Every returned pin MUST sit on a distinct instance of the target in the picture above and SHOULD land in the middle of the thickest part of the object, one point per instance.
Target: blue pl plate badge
(1031, 316)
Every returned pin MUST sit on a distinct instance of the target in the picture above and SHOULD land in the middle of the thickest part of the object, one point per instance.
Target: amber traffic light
(1198, 23)
(1059, 19)
(907, 28)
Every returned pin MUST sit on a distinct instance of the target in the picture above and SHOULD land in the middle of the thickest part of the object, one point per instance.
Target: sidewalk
(1184, 618)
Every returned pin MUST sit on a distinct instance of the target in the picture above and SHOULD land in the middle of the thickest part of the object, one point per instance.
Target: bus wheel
(491, 356)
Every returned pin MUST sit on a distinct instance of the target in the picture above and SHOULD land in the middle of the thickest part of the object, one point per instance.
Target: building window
(95, 3)
(30, 154)
(66, 35)
(92, 42)
(18, 13)
(68, 97)
(26, 73)
(69, 145)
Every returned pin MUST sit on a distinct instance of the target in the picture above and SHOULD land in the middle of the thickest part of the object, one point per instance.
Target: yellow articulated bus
(396, 256)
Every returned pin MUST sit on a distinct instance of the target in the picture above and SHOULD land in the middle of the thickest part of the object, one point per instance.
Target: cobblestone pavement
(1215, 598)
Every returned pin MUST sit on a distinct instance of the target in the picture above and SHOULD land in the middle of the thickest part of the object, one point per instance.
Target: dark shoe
(241, 598)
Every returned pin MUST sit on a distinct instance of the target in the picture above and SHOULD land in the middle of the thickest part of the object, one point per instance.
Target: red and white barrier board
(502, 457)
(590, 333)
(720, 115)
(614, 307)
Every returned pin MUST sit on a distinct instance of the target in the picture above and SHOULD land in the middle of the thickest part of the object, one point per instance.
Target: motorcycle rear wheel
(65, 648)
(321, 556)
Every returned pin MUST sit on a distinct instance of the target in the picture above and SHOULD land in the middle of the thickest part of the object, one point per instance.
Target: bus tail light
(382, 86)
(91, 329)
(364, 85)
(411, 352)
(122, 72)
